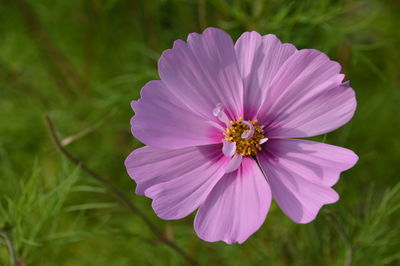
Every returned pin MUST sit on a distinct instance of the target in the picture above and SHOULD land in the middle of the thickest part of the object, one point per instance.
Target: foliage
(82, 62)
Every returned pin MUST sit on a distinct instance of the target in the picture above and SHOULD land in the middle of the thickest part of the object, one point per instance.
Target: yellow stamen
(245, 147)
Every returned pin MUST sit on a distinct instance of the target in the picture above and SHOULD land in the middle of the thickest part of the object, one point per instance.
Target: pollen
(245, 147)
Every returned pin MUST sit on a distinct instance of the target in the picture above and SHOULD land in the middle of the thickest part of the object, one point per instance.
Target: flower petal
(307, 97)
(161, 120)
(259, 58)
(203, 72)
(301, 172)
(236, 207)
(178, 181)
(228, 148)
(234, 163)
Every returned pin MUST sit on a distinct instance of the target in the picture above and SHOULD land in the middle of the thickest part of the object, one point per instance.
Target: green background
(82, 62)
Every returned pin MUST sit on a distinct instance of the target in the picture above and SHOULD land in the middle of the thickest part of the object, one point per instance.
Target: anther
(247, 135)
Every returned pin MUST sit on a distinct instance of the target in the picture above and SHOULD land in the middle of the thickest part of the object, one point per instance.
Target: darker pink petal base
(301, 174)
(236, 207)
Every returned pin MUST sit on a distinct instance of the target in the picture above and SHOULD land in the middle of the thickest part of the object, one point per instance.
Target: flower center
(247, 135)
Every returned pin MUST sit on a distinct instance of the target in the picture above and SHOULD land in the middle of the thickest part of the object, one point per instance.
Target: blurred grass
(82, 62)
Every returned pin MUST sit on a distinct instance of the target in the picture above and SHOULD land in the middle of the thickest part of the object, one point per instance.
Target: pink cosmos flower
(219, 129)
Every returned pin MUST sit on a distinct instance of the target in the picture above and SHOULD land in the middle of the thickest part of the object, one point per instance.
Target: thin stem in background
(10, 247)
(325, 137)
(347, 241)
(60, 66)
(119, 194)
(202, 14)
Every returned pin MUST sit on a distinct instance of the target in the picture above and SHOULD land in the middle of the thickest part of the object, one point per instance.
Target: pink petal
(217, 126)
(259, 58)
(161, 120)
(234, 163)
(307, 97)
(203, 72)
(228, 148)
(236, 207)
(178, 181)
(301, 173)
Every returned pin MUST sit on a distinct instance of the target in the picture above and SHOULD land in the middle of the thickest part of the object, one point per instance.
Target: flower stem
(10, 247)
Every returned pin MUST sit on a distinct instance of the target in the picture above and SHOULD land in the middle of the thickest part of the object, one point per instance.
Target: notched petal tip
(353, 159)
(306, 219)
(134, 104)
(213, 30)
(345, 84)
